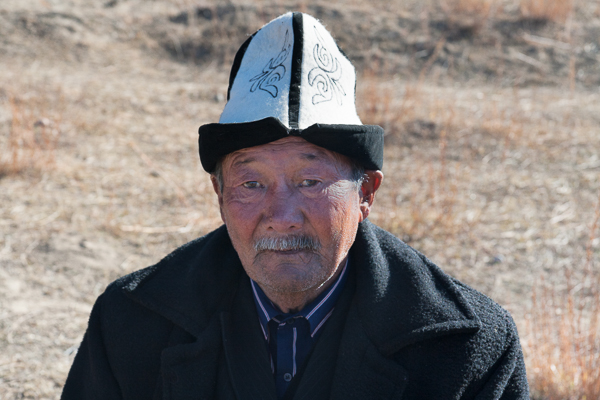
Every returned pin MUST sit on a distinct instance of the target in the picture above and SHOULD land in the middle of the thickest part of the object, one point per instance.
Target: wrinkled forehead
(284, 153)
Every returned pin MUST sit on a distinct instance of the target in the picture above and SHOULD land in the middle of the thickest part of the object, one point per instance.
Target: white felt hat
(290, 77)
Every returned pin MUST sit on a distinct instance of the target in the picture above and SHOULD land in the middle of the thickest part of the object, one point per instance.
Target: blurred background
(492, 116)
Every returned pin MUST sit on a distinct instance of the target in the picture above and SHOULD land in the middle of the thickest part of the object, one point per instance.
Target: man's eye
(308, 183)
(251, 185)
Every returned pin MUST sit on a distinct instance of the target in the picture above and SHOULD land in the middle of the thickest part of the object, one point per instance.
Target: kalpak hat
(291, 78)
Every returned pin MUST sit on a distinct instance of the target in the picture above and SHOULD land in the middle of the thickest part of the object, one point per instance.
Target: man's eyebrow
(243, 161)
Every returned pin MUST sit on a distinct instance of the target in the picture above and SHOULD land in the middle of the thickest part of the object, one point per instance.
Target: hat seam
(296, 74)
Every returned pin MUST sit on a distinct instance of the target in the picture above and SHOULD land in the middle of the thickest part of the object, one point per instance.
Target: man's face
(290, 188)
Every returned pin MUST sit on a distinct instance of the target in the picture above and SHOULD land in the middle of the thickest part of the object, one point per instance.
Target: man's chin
(288, 274)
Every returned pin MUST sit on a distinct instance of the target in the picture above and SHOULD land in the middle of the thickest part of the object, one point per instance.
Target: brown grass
(479, 8)
(468, 16)
(564, 349)
(564, 346)
(33, 132)
(548, 10)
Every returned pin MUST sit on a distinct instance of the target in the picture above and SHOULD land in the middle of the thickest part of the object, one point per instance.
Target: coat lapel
(245, 349)
(401, 298)
(192, 284)
(362, 372)
(189, 370)
(190, 288)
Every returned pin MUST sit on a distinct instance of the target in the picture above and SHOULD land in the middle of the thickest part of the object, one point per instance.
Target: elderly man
(297, 296)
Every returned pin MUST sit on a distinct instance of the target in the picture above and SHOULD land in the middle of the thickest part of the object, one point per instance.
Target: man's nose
(284, 211)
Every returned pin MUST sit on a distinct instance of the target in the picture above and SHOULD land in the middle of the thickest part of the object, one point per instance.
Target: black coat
(187, 328)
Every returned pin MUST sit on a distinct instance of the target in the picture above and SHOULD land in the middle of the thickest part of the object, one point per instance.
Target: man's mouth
(286, 252)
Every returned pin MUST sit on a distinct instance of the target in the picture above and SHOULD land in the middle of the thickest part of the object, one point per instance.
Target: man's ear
(217, 189)
(371, 183)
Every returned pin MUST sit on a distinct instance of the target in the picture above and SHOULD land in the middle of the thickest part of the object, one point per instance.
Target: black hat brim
(361, 143)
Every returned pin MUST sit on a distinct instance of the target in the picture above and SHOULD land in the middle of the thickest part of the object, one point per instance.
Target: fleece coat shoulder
(409, 332)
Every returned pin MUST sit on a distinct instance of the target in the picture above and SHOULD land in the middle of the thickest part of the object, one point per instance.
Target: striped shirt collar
(317, 312)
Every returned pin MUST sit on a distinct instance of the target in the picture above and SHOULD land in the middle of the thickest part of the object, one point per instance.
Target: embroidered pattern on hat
(274, 71)
(326, 75)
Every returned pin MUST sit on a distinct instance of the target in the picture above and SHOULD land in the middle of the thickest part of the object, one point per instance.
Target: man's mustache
(287, 243)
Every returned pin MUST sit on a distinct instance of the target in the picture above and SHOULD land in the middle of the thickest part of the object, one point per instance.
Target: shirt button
(287, 377)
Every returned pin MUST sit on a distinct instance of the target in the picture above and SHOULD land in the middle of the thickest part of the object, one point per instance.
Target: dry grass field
(492, 117)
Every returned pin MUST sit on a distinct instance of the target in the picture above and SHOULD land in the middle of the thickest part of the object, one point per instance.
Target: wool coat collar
(400, 298)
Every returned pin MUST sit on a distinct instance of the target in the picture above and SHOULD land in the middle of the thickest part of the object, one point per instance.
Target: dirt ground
(492, 147)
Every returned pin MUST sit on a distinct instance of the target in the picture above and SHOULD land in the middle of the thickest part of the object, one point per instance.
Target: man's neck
(295, 302)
